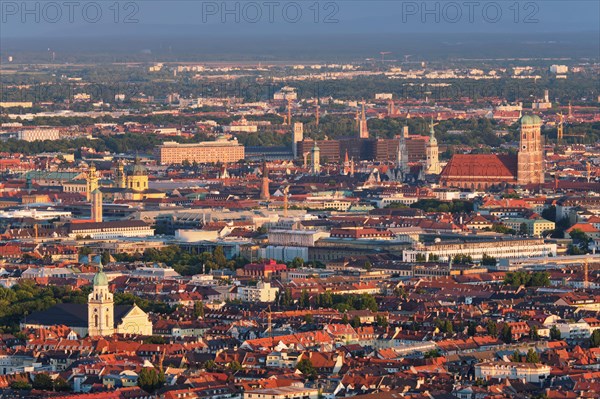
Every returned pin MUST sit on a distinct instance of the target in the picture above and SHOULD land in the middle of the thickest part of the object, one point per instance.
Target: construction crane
(290, 111)
(586, 271)
(317, 115)
(560, 131)
(383, 54)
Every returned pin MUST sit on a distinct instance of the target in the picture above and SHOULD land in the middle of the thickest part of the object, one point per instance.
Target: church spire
(363, 128)
(432, 165)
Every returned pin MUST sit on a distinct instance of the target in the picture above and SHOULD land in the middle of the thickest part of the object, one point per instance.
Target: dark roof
(71, 315)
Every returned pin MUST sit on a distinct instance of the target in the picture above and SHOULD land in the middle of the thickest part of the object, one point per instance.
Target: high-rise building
(432, 165)
(402, 159)
(297, 136)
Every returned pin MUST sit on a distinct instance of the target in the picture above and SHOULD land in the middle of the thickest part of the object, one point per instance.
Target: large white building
(530, 372)
(291, 392)
(499, 249)
(109, 230)
(296, 238)
(38, 134)
(262, 292)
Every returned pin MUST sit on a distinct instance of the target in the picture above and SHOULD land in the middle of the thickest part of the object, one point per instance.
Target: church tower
(138, 179)
(402, 168)
(432, 166)
(92, 181)
(346, 164)
(120, 179)
(530, 159)
(316, 159)
(362, 127)
(97, 206)
(264, 189)
(101, 321)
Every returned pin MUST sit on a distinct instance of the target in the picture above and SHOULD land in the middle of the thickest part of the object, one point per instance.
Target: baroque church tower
(432, 163)
(101, 320)
(530, 159)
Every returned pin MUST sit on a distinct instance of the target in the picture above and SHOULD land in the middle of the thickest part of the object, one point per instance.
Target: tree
(210, 365)
(345, 319)
(523, 229)
(355, 322)
(304, 300)
(42, 382)
(595, 339)
(219, 257)
(488, 260)
(105, 257)
(235, 366)
(306, 367)
(472, 329)
(296, 263)
(492, 328)
(309, 319)
(150, 379)
(532, 356)
(433, 353)
(85, 251)
(533, 333)
(61, 385)
(198, 310)
(515, 357)
(381, 321)
(506, 334)
(462, 259)
(368, 266)
(20, 385)
(555, 333)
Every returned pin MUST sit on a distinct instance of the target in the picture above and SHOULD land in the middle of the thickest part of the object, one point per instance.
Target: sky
(289, 28)
(211, 19)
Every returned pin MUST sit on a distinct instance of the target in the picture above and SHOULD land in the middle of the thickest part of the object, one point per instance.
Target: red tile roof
(481, 166)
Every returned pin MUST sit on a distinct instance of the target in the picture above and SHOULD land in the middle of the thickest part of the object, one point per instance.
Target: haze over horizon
(289, 29)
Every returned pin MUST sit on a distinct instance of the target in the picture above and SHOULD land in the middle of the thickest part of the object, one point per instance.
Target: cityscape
(264, 219)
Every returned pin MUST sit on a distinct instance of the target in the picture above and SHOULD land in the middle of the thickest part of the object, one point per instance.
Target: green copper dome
(100, 278)
(138, 169)
(531, 120)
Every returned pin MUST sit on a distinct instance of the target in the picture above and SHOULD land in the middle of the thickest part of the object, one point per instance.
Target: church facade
(482, 171)
(99, 317)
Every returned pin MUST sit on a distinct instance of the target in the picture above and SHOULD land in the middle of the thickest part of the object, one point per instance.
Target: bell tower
(530, 159)
(92, 181)
(101, 321)
(432, 163)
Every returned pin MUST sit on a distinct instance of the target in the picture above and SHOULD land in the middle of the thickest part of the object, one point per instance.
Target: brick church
(481, 171)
